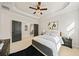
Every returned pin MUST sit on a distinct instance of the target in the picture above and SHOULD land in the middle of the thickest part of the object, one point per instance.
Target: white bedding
(52, 41)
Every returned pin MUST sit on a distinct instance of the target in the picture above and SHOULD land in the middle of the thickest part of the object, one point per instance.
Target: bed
(48, 44)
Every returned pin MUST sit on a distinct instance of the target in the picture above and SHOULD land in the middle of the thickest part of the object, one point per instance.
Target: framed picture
(26, 27)
(53, 25)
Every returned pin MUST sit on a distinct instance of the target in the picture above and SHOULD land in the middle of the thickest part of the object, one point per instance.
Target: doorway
(16, 31)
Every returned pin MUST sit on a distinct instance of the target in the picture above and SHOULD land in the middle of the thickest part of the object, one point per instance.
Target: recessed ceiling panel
(51, 7)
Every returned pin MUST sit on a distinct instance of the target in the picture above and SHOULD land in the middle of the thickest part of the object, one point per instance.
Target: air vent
(5, 7)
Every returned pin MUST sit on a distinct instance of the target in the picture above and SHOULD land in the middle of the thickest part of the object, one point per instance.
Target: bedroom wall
(6, 18)
(66, 21)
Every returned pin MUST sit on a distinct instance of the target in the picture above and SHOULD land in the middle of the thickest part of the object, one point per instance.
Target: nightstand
(67, 42)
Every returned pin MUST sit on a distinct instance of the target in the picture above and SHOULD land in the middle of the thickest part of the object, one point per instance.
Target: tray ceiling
(51, 7)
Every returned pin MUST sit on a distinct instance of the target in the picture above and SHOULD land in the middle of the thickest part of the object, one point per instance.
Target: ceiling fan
(38, 8)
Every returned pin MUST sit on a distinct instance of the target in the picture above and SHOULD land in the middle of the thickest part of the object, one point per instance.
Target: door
(16, 31)
(35, 29)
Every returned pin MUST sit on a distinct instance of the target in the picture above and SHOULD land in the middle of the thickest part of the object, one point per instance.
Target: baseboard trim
(75, 46)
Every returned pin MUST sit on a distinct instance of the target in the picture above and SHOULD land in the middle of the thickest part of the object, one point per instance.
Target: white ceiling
(23, 7)
(51, 6)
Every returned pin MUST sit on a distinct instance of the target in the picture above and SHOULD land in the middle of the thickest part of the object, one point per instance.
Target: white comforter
(52, 41)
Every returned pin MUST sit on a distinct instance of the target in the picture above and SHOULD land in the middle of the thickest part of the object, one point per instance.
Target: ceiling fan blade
(34, 12)
(43, 9)
(33, 8)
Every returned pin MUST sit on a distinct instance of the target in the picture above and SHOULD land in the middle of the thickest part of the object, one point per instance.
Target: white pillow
(53, 38)
(54, 35)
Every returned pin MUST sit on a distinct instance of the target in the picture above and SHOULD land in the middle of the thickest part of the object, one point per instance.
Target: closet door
(35, 29)
(16, 31)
